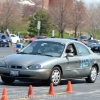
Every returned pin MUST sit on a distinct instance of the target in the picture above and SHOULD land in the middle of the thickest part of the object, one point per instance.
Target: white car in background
(14, 38)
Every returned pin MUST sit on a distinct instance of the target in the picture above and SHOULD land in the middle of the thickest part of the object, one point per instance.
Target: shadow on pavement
(40, 84)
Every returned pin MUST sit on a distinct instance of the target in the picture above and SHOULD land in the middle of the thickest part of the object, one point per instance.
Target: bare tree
(94, 18)
(60, 15)
(9, 14)
(40, 4)
(78, 16)
(27, 11)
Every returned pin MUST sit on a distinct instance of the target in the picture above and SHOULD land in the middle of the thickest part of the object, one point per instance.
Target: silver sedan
(51, 60)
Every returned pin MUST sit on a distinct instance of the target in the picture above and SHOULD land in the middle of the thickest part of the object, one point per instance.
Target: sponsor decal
(85, 62)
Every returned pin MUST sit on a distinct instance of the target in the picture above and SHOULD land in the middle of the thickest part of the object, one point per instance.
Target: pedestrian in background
(91, 37)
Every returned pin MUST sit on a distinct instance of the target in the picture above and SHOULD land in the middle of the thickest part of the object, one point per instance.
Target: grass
(56, 34)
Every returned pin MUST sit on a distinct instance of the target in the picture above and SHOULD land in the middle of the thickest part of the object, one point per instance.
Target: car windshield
(44, 48)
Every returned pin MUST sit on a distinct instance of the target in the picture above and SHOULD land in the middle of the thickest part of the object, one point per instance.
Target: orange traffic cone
(4, 95)
(69, 87)
(30, 92)
(51, 90)
(15, 49)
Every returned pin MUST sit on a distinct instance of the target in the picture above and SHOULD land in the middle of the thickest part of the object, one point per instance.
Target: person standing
(91, 37)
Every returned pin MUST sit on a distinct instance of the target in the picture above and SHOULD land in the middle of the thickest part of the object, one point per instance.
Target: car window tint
(82, 49)
(3, 37)
(12, 35)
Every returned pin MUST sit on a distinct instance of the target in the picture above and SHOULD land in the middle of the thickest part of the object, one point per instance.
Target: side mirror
(70, 54)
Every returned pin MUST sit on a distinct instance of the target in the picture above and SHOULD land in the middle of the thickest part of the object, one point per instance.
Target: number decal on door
(85, 62)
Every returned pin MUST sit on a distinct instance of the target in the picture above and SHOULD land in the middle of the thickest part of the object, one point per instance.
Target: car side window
(3, 37)
(12, 35)
(72, 49)
(82, 50)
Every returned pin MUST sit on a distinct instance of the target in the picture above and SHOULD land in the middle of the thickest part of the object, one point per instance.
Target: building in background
(40, 3)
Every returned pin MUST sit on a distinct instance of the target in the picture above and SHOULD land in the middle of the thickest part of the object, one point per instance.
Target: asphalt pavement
(19, 90)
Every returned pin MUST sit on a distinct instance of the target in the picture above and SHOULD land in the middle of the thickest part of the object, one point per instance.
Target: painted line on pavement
(44, 95)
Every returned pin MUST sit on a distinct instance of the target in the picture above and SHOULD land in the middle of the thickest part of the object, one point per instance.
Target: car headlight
(37, 66)
(2, 64)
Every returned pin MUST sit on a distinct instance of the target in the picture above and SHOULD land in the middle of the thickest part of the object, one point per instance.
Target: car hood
(27, 59)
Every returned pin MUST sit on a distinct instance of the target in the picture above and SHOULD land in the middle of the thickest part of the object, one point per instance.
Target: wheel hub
(93, 74)
(55, 76)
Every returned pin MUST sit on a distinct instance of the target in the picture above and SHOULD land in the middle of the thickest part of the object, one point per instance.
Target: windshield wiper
(22, 53)
(36, 53)
(47, 55)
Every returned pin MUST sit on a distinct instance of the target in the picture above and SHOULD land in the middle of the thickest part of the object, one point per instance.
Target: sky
(91, 1)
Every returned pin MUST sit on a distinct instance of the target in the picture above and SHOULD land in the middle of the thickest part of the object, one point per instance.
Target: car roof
(58, 40)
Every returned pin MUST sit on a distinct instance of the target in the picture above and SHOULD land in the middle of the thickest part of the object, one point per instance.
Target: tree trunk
(62, 35)
(75, 34)
(59, 35)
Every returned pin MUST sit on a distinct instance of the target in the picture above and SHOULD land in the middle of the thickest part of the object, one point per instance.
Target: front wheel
(55, 76)
(7, 80)
(93, 75)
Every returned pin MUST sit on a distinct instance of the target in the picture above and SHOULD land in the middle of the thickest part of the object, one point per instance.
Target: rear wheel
(93, 75)
(55, 76)
(7, 80)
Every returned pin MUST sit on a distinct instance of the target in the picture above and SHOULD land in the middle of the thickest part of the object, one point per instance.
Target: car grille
(16, 67)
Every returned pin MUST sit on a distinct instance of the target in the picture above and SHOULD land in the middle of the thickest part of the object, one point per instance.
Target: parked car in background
(5, 41)
(92, 43)
(85, 37)
(96, 48)
(36, 38)
(51, 60)
(73, 39)
(14, 38)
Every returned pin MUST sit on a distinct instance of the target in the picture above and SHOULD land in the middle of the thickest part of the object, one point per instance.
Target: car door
(85, 59)
(72, 68)
(13, 37)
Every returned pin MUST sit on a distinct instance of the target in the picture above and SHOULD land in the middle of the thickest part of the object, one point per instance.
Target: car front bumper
(3, 44)
(40, 74)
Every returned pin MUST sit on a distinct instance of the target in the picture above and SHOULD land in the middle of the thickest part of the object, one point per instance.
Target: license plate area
(14, 73)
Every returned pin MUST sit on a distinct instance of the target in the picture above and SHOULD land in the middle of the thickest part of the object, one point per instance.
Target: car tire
(9, 44)
(93, 75)
(7, 80)
(55, 76)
